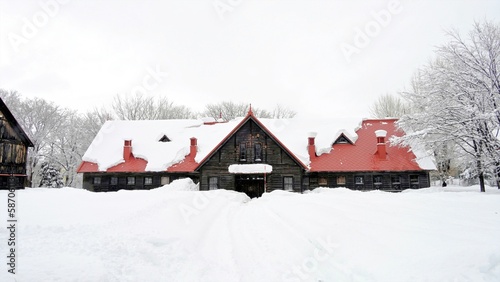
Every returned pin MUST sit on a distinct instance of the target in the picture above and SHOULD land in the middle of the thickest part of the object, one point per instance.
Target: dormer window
(342, 139)
(164, 139)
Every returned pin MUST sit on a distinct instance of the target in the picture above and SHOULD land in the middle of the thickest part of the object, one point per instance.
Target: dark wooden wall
(12, 151)
(13, 155)
(272, 154)
(106, 185)
(331, 178)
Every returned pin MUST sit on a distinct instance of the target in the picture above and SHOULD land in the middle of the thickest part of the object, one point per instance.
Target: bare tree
(389, 106)
(229, 110)
(281, 111)
(143, 107)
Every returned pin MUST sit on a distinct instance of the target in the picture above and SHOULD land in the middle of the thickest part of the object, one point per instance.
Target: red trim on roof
(362, 155)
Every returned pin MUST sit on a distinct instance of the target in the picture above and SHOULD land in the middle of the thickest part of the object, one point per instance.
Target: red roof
(131, 165)
(362, 155)
(359, 156)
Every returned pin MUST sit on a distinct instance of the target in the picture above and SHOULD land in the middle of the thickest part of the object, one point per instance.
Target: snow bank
(185, 184)
(175, 234)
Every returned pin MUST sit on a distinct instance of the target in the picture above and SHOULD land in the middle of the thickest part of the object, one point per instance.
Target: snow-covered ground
(169, 234)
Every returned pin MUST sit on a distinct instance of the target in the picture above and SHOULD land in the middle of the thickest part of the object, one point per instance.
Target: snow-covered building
(252, 155)
(14, 145)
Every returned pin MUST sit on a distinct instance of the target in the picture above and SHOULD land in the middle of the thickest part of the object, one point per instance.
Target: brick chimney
(193, 148)
(381, 146)
(311, 147)
(127, 150)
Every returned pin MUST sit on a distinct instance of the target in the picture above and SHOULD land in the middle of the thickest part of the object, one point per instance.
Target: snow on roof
(294, 133)
(106, 149)
(250, 168)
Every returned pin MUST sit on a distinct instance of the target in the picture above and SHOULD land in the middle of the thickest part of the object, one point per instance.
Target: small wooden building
(251, 155)
(14, 145)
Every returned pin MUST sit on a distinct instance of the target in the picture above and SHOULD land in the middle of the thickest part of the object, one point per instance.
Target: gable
(250, 134)
(10, 130)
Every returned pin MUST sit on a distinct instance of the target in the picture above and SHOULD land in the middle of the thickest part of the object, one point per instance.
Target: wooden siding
(229, 153)
(13, 151)
(386, 183)
(106, 185)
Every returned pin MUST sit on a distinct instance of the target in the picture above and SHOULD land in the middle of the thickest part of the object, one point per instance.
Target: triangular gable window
(342, 140)
(164, 139)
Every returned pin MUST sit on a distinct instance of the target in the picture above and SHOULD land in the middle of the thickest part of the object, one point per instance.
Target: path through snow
(326, 235)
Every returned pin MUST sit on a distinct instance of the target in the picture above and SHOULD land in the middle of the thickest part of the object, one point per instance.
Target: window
(165, 180)
(213, 183)
(114, 180)
(97, 180)
(130, 180)
(341, 180)
(396, 181)
(323, 181)
(258, 152)
(164, 139)
(358, 180)
(414, 181)
(377, 180)
(148, 180)
(341, 140)
(243, 152)
(288, 183)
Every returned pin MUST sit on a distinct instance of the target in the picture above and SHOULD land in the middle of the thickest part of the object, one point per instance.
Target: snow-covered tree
(67, 146)
(456, 99)
(50, 176)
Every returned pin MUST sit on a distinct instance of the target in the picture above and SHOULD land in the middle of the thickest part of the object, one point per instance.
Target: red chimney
(193, 149)
(311, 147)
(127, 150)
(381, 146)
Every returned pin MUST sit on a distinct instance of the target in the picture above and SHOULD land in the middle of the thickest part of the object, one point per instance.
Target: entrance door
(250, 184)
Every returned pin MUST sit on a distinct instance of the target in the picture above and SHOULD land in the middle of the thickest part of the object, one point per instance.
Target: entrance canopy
(250, 168)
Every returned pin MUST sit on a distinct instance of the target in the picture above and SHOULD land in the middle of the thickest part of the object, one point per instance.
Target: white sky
(82, 53)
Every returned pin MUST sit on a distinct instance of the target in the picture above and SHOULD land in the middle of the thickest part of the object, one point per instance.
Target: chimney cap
(312, 134)
(380, 133)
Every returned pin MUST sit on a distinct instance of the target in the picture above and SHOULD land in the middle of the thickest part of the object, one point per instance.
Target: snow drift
(176, 233)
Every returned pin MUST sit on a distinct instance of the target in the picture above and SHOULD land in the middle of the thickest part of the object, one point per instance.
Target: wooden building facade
(251, 159)
(252, 148)
(14, 145)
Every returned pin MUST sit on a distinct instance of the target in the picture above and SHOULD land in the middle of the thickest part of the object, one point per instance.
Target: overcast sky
(320, 58)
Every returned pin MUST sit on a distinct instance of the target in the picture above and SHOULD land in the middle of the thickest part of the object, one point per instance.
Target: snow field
(176, 234)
